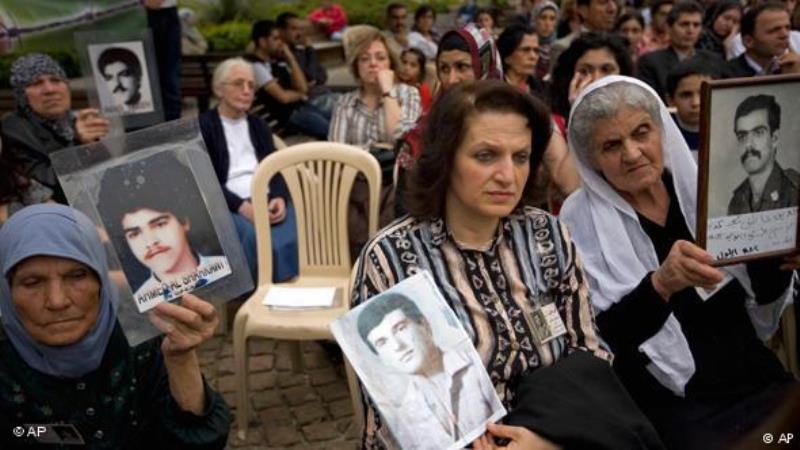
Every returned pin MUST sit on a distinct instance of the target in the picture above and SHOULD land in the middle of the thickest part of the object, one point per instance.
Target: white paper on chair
(299, 297)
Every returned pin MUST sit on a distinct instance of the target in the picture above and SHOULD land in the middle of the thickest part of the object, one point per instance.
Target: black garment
(166, 28)
(124, 404)
(579, 403)
(214, 138)
(737, 380)
(653, 67)
(28, 146)
(710, 42)
(307, 60)
(738, 68)
(280, 72)
(692, 138)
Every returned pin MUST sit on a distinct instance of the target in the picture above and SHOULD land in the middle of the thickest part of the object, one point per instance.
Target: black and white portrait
(753, 169)
(419, 367)
(158, 223)
(121, 76)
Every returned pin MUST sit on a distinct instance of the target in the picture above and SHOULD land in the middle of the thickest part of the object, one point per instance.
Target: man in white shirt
(766, 32)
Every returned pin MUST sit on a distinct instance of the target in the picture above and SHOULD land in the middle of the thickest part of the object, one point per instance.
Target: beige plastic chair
(319, 176)
(279, 144)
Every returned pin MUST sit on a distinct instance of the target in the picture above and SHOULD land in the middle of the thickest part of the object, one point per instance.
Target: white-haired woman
(236, 143)
(687, 336)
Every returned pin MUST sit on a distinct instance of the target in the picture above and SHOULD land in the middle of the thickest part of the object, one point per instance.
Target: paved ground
(310, 410)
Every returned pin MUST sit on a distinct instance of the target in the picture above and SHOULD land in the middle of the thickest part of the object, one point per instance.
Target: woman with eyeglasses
(374, 116)
(519, 50)
(237, 142)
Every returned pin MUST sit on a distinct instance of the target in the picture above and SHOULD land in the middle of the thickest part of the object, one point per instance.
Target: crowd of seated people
(515, 141)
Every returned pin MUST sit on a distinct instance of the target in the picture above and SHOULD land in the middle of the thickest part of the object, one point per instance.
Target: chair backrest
(279, 144)
(319, 176)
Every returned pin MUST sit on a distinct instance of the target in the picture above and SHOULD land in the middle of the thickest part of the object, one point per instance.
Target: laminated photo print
(154, 197)
(419, 367)
(152, 211)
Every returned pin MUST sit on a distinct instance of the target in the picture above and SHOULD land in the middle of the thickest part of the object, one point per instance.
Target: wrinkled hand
(90, 125)
(185, 326)
(521, 439)
(277, 210)
(246, 210)
(789, 62)
(687, 265)
(577, 85)
(386, 80)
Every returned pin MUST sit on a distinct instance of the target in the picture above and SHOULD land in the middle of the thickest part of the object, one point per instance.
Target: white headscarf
(618, 254)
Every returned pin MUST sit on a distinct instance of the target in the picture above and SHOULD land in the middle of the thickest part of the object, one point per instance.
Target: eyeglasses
(241, 84)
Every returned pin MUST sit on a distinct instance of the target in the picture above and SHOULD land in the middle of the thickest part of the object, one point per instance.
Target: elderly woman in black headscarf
(44, 121)
(65, 360)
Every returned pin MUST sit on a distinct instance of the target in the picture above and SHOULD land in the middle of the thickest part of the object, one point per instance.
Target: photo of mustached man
(160, 228)
(124, 80)
(768, 186)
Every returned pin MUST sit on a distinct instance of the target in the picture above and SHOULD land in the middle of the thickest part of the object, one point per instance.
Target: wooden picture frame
(743, 152)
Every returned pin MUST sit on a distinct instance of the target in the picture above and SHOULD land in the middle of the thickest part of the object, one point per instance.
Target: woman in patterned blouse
(497, 262)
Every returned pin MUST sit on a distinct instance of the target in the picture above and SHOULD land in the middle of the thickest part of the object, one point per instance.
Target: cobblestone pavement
(308, 410)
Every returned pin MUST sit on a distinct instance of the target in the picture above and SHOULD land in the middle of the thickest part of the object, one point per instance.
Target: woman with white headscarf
(64, 358)
(686, 335)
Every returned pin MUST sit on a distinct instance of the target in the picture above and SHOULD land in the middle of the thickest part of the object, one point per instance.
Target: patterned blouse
(530, 263)
(356, 124)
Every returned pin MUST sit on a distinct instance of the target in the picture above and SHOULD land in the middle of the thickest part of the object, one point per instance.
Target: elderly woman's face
(491, 166)
(627, 150)
(238, 89)
(48, 96)
(57, 299)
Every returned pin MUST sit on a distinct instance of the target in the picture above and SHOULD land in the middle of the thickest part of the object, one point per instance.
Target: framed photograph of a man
(419, 366)
(122, 77)
(749, 168)
(151, 210)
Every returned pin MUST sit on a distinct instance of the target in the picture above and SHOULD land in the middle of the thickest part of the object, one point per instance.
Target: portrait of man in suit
(768, 186)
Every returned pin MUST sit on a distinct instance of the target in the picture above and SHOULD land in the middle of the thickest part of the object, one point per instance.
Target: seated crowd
(545, 158)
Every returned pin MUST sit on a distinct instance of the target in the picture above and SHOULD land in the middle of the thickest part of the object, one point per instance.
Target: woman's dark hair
(445, 132)
(510, 38)
(564, 68)
(423, 10)
(629, 16)
(453, 41)
(717, 9)
(421, 59)
(490, 11)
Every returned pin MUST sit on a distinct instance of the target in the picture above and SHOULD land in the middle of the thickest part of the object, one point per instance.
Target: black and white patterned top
(530, 263)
